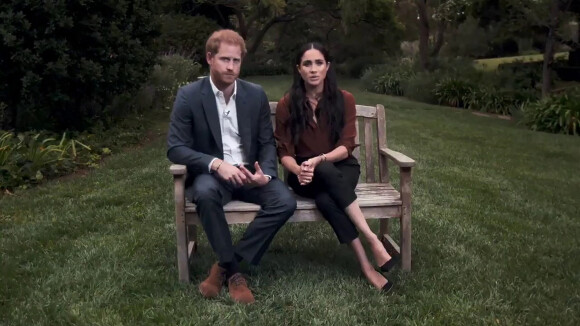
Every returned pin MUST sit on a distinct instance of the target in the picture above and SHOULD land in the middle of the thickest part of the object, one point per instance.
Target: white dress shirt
(228, 118)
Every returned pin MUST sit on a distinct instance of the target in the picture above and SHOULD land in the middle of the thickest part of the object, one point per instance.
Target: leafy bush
(185, 35)
(452, 91)
(454, 82)
(556, 114)
(468, 40)
(173, 71)
(489, 100)
(523, 75)
(420, 87)
(263, 67)
(370, 74)
(67, 60)
(392, 78)
(355, 67)
(28, 158)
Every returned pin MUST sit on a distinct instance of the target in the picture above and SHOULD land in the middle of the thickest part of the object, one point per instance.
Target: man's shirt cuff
(209, 165)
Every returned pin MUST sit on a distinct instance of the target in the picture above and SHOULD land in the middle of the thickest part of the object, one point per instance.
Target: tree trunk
(440, 38)
(260, 36)
(549, 49)
(242, 22)
(423, 33)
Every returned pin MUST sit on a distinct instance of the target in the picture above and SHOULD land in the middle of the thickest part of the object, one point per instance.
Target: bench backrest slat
(373, 121)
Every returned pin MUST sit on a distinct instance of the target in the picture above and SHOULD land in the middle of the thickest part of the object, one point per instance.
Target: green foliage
(173, 72)
(420, 86)
(452, 91)
(185, 35)
(490, 100)
(66, 61)
(28, 158)
(556, 114)
(454, 82)
(261, 66)
(391, 78)
(523, 74)
(468, 40)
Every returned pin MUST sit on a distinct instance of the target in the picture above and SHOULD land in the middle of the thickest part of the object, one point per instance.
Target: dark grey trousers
(210, 195)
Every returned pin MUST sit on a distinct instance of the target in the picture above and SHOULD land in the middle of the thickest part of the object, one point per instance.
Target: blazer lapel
(211, 113)
(244, 115)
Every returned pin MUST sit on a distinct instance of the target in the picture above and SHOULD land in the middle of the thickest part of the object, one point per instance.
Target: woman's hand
(306, 173)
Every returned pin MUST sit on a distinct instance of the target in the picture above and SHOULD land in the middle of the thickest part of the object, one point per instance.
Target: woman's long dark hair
(331, 105)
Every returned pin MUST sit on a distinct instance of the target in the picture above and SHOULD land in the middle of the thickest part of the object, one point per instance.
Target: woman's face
(313, 68)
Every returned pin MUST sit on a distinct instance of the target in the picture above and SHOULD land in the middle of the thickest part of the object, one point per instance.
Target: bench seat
(373, 198)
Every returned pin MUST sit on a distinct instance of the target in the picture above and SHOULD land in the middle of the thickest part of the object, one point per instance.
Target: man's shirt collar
(216, 91)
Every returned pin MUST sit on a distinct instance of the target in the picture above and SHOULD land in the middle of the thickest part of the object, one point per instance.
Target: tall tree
(440, 13)
(255, 18)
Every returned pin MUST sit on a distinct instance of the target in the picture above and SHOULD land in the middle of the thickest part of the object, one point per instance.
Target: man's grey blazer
(195, 138)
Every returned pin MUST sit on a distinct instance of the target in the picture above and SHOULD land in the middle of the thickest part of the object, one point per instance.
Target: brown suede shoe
(239, 289)
(212, 285)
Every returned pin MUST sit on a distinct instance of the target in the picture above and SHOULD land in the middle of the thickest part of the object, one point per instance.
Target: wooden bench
(377, 198)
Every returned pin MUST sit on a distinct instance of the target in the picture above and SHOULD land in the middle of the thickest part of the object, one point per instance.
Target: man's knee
(282, 200)
(287, 202)
(205, 187)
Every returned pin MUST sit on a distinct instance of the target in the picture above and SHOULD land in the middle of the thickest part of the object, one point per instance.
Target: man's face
(224, 66)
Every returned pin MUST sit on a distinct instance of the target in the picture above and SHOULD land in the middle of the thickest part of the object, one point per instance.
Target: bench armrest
(177, 169)
(400, 159)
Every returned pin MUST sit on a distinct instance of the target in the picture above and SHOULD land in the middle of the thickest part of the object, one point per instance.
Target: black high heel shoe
(389, 264)
(387, 287)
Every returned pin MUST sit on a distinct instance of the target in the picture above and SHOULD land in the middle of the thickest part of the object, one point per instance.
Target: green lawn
(491, 64)
(496, 241)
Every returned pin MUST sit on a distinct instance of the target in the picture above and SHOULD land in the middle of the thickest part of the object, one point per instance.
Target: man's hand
(229, 173)
(257, 179)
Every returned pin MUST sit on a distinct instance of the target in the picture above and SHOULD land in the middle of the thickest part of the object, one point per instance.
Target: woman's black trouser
(332, 188)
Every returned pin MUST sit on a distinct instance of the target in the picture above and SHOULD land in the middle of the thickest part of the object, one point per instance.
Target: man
(221, 129)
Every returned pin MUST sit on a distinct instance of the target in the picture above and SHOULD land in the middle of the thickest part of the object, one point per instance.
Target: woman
(315, 133)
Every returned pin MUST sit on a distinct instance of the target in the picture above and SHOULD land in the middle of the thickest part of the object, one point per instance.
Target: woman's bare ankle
(380, 253)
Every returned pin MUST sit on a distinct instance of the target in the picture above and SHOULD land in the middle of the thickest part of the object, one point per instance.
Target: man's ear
(208, 57)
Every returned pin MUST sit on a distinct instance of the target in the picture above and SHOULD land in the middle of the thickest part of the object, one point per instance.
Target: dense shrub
(392, 77)
(556, 114)
(454, 82)
(468, 40)
(357, 66)
(263, 67)
(371, 74)
(28, 158)
(524, 75)
(420, 87)
(172, 72)
(63, 62)
(453, 91)
(185, 35)
(492, 100)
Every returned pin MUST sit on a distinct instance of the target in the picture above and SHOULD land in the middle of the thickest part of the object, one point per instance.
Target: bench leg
(384, 226)
(405, 231)
(388, 242)
(182, 248)
(192, 241)
(406, 240)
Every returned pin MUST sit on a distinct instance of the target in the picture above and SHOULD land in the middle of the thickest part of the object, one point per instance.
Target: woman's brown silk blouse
(315, 139)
